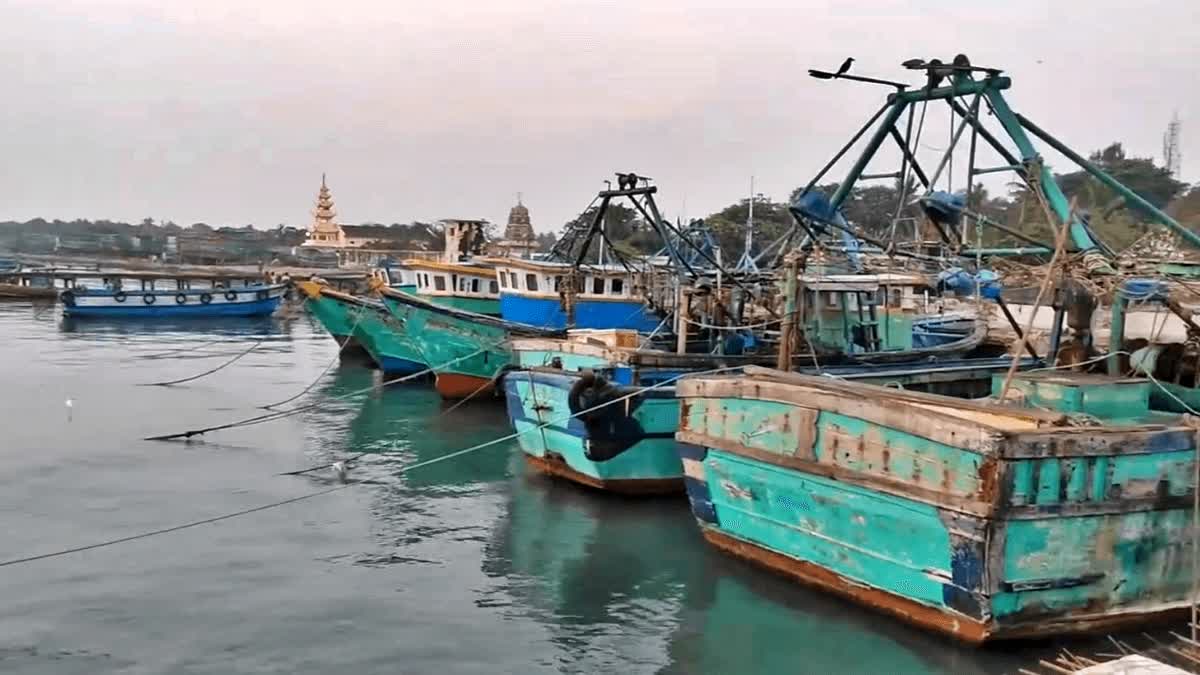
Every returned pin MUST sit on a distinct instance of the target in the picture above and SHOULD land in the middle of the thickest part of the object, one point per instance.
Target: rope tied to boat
(280, 414)
(206, 373)
(343, 486)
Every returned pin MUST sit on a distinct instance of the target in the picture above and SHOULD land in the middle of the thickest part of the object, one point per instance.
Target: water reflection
(621, 583)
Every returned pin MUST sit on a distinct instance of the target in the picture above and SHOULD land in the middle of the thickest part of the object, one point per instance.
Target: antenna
(746, 263)
(1172, 156)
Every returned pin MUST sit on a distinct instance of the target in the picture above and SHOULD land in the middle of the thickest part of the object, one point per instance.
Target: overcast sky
(228, 111)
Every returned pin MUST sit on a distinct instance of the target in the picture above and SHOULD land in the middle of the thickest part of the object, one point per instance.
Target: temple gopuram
(519, 239)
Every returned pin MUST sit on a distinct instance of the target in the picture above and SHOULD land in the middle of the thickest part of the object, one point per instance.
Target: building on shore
(356, 245)
(519, 239)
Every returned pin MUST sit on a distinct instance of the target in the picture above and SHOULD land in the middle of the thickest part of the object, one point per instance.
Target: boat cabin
(468, 285)
(861, 312)
(544, 279)
(607, 296)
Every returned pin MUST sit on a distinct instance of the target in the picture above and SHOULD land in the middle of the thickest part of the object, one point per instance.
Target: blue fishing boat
(147, 295)
(606, 296)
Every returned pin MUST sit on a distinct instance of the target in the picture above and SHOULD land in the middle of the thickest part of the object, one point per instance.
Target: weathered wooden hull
(978, 522)
(630, 448)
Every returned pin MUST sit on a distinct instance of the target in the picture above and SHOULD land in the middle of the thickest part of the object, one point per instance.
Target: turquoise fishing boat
(973, 519)
(1061, 504)
(368, 324)
(629, 447)
(466, 351)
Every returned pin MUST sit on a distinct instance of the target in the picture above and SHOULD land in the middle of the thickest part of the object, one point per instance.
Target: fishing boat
(467, 351)
(1061, 503)
(366, 324)
(152, 295)
(976, 520)
(469, 286)
(470, 350)
(606, 296)
(630, 447)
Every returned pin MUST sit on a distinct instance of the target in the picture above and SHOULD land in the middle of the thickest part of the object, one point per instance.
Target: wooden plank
(970, 506)
(875, 391)
(927, 423)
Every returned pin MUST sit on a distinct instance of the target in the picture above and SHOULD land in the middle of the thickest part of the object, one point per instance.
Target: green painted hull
(334, 315)
(488, 306)
(386, 342)
(986, 537)
(467, 351)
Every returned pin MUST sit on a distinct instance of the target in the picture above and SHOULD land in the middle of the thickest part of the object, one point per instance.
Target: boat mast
(746, 263)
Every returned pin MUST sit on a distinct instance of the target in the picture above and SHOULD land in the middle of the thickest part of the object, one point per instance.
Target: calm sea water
(466, 566)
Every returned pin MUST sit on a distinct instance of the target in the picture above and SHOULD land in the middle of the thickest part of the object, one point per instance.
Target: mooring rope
(181, 350)
(318, 493)
(280, 414)
(517, 434)
(210, 371)
(333, 361)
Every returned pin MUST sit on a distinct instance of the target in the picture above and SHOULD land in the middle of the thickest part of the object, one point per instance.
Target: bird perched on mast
(845, 66)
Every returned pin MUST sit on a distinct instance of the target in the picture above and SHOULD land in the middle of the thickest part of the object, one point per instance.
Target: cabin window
(512, 280)
(897, 297)
(531, 282)
(557, 282)
(493, 287)
(618, 286)
(503, 280)
(831, 299)
(475, 285)
(439, 282)
(598, 285)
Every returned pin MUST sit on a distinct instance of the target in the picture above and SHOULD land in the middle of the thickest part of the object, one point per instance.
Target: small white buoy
(70, 403)
(339, 470)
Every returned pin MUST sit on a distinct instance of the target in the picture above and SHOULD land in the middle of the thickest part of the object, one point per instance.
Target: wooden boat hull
(254, 301)
(466, 350)
(384, 340)
(629, 447)
(983, 523)
(335, 317)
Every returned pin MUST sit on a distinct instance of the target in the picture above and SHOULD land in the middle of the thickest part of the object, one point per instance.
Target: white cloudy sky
(227, 111)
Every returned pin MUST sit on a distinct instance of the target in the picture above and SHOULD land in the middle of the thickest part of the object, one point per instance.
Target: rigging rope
(270, 417)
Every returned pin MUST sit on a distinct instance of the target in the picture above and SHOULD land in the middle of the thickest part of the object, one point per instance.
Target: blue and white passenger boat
(153, 295)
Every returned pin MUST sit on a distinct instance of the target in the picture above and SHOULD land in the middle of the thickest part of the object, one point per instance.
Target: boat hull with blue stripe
(255, 300)
(977, 520)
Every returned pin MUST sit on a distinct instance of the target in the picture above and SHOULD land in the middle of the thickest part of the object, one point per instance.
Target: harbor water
(469, 565)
